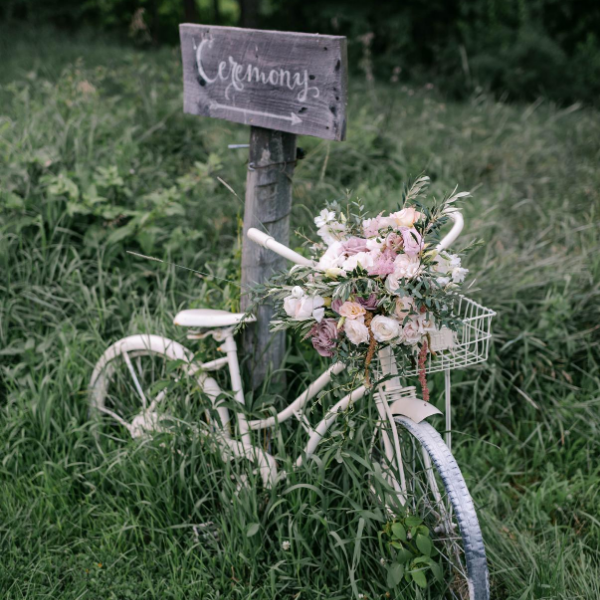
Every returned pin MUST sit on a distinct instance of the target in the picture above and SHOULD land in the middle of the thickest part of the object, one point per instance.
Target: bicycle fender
(414, 409)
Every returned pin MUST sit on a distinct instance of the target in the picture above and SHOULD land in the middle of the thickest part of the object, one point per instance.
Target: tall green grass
(97, 159)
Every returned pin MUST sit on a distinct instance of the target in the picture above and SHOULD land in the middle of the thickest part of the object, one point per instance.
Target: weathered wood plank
(293, 82)
(267, 207)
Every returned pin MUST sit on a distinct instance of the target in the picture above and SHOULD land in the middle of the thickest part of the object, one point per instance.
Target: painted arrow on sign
(294, 119)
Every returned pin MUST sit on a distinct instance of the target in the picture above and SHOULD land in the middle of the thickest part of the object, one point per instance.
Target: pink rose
(370, 303)
(406, 217)
(352, 310)
(335, 305)
(413, 243)
(323, 336)
(354, 245)
(394, 242)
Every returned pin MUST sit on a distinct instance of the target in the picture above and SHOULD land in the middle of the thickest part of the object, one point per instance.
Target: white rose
(333, 257)
(385, 329)
(405, 267)
(301, 307)
(356, 331)
(365, 259)
(325, 216)
(411, 332)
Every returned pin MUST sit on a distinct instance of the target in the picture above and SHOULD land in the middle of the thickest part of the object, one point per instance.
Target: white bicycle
(130, 389)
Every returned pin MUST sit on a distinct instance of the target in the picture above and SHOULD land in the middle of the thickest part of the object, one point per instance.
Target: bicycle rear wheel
(134, 380)
(435, 491)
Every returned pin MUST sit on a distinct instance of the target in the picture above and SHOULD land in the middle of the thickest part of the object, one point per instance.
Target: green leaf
(395, 574)
(413, 521)
(399, 531)
(120, 234)
(159, 386)
(403, 555)
(437, 571)
(252, 529)
(424, 544)
(419, 578)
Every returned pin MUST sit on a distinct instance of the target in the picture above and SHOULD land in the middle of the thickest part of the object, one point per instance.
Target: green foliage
(412, 554)
(111, 521)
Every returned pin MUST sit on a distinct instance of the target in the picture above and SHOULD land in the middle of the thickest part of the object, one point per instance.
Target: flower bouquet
(376, 281)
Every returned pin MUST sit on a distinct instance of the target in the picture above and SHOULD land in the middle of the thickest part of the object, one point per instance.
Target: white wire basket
(468, 346)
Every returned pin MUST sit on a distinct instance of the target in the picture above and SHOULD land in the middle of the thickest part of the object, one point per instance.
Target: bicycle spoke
(136, 382)
(117, 418)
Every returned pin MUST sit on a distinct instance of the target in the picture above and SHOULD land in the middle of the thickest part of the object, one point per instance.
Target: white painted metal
(458, 226)
(413, 408)
(207, 317)
(267, 241)
(297, 405)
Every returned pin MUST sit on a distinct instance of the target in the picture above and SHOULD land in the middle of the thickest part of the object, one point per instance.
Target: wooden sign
(293, 82)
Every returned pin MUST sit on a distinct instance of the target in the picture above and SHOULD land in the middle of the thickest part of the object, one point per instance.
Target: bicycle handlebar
(459, 223)
(271, 243)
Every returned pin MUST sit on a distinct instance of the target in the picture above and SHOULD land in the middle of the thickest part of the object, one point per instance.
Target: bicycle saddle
(207, 318)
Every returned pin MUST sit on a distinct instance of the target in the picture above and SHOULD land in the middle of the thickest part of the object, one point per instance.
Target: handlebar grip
(271, 243)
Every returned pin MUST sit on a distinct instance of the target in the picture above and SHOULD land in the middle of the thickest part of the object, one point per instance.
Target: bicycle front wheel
(434, 490)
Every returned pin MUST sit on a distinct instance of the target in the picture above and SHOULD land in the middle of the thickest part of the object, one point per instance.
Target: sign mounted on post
(292, 82)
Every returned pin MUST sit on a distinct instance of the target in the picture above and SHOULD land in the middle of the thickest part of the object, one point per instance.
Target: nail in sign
(293, 82)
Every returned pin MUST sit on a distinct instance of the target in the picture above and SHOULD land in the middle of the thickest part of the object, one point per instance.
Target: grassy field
(96, 158)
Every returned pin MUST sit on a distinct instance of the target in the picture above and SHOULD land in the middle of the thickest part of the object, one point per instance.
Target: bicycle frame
(402, 398)
(403, 404)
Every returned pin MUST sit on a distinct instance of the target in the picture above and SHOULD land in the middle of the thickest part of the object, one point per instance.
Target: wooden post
(282, 85)
(268, 205)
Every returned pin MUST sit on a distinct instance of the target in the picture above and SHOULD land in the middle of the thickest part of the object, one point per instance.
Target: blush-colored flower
(300, 307)
(411, 333)
(323, 336)
(405, 267)
(385, 329)
(354, 245)
(413, 242)
(371, 226)
(384, 264)
(356, 331)
(406, 217)
(352, 310)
